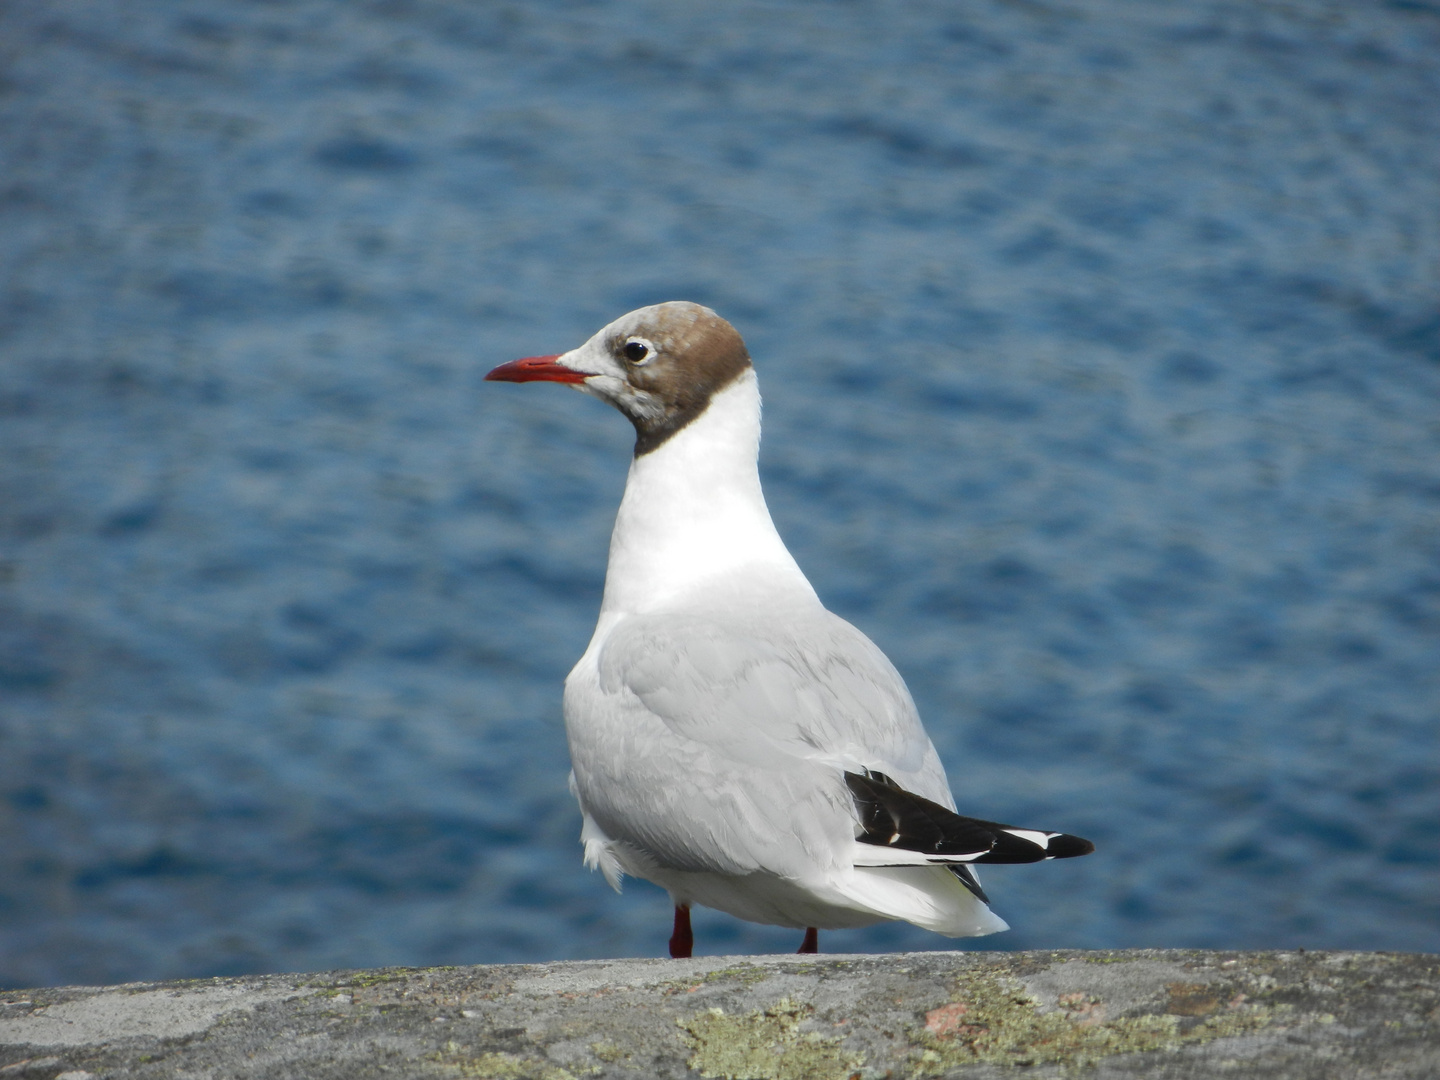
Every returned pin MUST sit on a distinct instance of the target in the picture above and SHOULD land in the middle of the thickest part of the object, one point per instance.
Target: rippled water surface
(1101, 354)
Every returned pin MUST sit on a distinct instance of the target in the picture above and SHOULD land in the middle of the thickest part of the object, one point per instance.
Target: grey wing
(719, 743)
(809, 686)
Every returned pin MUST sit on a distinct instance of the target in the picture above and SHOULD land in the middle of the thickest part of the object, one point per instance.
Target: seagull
(733, 741)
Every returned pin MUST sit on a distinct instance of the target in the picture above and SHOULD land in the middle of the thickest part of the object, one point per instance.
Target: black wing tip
(1065, 846)
(1013, 846)
(898, 819)
(890, 816)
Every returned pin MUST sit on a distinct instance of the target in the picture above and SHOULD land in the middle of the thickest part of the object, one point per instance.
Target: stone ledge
(1137, 1013)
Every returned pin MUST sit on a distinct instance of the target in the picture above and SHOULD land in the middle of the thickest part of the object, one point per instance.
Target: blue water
(1101, 353)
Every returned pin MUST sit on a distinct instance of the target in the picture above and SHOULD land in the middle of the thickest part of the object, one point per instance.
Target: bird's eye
(635, 351)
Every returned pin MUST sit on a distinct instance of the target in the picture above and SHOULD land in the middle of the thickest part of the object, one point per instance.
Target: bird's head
(658, 365)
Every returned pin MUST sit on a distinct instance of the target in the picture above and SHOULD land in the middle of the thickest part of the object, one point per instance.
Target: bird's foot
(682, 941)
(811, 944)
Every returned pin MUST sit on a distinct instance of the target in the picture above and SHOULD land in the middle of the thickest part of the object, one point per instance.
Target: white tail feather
(928, 896)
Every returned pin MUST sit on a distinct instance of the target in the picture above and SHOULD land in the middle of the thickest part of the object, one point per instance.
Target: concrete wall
(1135, 1013)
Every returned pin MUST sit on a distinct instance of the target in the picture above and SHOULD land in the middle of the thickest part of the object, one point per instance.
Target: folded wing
(716, 743)
(905, 825)
(713, 744)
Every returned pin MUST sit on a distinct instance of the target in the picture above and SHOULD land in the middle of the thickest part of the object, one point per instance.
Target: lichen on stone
(607, 1051)
(995, 1021)
(490, 1066)
(765, 1045)
(364, 980)
(746, 974)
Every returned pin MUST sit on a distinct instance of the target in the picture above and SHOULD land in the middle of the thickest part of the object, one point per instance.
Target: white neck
(693, 514)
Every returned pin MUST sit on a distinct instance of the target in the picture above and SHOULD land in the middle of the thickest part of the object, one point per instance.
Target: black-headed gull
(732, 740)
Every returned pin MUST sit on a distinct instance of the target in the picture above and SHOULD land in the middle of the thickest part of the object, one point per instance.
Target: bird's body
(729, 735)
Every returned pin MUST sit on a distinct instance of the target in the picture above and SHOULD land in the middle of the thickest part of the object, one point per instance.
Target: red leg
(811, 942)
(682, 940)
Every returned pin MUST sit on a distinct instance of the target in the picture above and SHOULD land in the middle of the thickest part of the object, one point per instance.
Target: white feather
(719, 704)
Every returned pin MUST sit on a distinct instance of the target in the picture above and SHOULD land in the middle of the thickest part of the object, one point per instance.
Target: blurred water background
(1101, 352)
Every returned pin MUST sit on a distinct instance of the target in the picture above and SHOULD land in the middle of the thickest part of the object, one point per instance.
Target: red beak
(536, 369)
